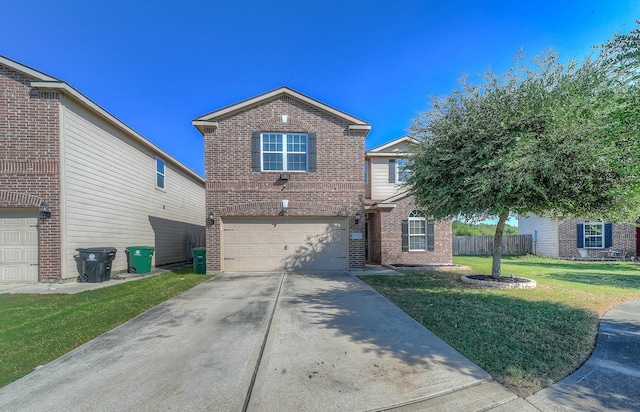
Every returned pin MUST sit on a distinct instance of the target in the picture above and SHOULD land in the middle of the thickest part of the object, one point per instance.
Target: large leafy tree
(544, 138)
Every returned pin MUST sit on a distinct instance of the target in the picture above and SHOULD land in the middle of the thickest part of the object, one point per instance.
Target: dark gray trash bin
(96, 264)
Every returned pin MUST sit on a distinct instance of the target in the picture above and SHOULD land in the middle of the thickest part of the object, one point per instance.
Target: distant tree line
(480, 229)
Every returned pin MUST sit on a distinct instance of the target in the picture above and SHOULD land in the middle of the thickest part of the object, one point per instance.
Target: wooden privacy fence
(483, 245)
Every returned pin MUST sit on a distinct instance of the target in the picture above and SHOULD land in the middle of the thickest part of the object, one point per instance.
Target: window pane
(272, 142)
(416, 243)
(160, 166)
(297, 162)
(296, 143)
(416, 226)
(272, 161)
(160, 181)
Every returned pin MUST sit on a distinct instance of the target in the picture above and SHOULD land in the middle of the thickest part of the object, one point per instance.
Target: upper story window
(160, 176)
(403, 170)
(594, 235)
(284, 152)
(399, 170)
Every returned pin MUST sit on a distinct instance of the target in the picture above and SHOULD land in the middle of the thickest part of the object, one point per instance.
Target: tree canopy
(544, 138)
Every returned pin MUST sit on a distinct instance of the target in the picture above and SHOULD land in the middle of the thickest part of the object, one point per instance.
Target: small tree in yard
(543, 138)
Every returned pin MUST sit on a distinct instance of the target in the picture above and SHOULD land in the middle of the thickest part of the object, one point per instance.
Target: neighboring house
(566, 238)
(105, 184)
(399, 232)
(285, 188)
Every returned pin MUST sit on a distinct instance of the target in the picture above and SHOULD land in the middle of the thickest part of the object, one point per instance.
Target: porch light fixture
(45, 212)
(285, 205)
(211, 220)
(358, 216)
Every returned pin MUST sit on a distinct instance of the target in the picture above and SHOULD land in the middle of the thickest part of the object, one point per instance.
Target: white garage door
(284, 243)
(18, 247)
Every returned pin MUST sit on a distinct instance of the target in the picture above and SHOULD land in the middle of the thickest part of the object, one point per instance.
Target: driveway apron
(260, 342)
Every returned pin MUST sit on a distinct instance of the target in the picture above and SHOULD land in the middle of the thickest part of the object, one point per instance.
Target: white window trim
(415, 217)
(601, 236)
(163, 174)
(284, 152)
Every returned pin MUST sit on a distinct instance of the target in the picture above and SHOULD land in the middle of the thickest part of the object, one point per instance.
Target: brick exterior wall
(30, 160)
(624, 238)
(233, 189)
(390, 238)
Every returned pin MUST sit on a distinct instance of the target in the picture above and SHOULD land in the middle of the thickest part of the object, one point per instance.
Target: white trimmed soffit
(355, 123)
(393, 142)
(387, 154)
(62, 87)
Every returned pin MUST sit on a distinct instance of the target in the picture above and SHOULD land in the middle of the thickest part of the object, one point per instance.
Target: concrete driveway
(263, 342)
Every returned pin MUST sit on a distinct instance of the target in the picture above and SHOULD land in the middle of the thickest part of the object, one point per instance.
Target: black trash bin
(96, 264)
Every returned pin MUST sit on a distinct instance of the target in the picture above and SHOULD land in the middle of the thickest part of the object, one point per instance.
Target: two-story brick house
(104, 184)
(284, 185)
(285, 190)
(398, 232)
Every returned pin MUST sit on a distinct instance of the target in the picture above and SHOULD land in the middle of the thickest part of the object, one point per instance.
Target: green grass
(526, 339)
(37, 329)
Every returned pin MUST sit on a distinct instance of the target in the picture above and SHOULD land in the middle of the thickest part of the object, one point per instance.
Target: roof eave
(355, 123)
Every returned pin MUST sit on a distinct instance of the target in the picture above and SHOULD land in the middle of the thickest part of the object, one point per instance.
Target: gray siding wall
(110, 196)
(546, 242)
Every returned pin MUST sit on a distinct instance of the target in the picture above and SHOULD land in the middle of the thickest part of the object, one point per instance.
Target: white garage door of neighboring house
(284, 243)
(18, 247)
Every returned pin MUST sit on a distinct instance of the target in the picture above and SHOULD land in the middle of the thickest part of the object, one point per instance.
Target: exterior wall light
(358, 216)
(211, 220)
(285, 205)
(45, 212)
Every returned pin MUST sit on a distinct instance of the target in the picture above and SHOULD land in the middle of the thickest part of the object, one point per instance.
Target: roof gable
(210, 119)
(397, 146)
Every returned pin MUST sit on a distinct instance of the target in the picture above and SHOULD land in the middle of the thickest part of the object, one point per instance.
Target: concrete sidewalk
(263, 342)
(610, 379)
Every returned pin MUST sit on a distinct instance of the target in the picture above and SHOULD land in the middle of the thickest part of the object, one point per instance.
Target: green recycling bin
(139, 259)
(199, 259)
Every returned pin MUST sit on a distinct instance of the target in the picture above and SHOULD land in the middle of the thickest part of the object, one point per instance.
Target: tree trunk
(496, 270)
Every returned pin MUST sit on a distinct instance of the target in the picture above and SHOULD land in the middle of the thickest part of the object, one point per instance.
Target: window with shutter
(593, 235)
(283, 152)
(418, 232)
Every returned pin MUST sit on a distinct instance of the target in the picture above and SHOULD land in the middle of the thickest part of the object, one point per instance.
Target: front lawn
(37, 329)
(526, 339)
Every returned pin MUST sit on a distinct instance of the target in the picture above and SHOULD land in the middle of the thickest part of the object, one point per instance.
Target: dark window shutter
(312, 154)
(255, 151)
(580, 233)
(392, 170)
(405, 235)
(608, 235)
(431, 235)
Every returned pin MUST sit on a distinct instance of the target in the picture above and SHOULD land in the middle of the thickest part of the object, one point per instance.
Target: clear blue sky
(156, 65)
